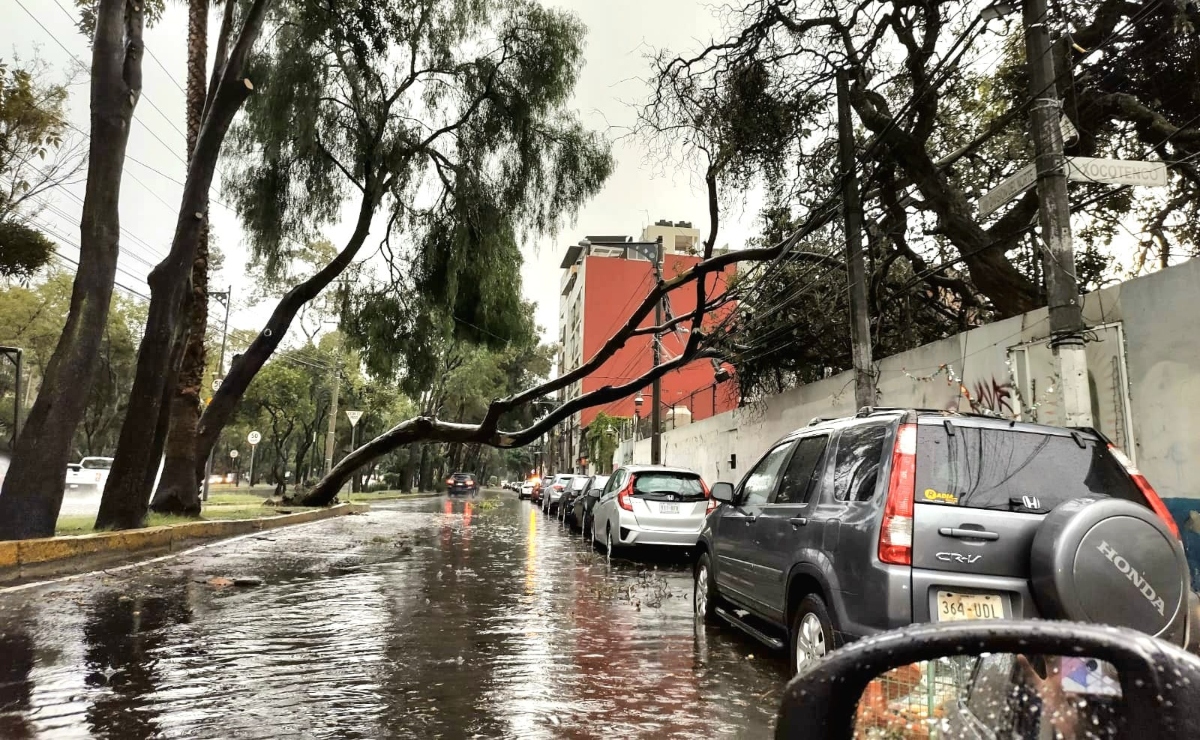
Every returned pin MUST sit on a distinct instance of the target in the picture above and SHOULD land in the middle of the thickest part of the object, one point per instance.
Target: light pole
(224, 298)
(637, 414)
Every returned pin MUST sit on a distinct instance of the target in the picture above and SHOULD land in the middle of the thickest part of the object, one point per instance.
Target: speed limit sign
(253, 438)
(233, 454)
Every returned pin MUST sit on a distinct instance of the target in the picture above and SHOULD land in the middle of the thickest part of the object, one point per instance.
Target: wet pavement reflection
(426, 618)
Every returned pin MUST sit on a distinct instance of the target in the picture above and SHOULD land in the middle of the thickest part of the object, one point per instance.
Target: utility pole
(332, 434)
(656, 384)
(860, 325)
(1066, 313)
(225, 298)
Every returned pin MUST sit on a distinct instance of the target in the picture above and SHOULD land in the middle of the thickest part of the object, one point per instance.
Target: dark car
(853, 526)
(586, 501)
(462, 484)
(566, 504)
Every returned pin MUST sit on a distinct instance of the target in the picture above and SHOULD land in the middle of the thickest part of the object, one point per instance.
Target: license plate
(956, 607)
(668, 508)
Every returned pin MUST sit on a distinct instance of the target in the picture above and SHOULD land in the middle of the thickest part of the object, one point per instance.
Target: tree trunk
(179, 490)
(33, 486)
(246, 365)
(126, 495)
(425, 470)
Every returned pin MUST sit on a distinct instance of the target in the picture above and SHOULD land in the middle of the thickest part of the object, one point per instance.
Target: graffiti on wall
(993, 397)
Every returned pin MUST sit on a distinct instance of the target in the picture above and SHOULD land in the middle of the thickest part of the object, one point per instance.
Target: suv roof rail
(869, 410)
(821, 420)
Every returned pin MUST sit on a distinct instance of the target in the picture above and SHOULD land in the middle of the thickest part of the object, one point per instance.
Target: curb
(52, 555)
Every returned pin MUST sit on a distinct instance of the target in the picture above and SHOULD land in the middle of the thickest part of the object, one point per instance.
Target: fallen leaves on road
(220, 582)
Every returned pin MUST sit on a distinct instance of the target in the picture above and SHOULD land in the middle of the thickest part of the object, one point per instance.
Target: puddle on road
(433, 618)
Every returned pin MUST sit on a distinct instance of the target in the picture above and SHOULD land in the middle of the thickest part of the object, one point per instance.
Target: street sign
(216, 384)
(1069, 132)
(1007, 190)
(233, 454)
(1122, 171)
(253, 438)
(354, 416)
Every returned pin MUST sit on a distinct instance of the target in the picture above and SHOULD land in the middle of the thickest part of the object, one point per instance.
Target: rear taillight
(625, 496)
(449, 481)
(1156, 504)
(896, 534)
(712, 502)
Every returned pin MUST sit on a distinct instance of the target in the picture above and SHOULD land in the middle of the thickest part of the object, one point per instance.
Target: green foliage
(32, 318)
(32, 129)
(449, 115)
(602, 436)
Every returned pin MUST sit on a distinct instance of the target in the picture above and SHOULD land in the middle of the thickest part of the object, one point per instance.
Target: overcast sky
(621, 34)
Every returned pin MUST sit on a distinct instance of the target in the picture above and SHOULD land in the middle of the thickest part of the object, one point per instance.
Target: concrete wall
(1145, 377)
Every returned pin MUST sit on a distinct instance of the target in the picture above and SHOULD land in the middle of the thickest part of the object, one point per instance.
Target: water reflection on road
(431, 618)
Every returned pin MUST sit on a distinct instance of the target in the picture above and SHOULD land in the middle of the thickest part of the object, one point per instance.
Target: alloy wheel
(810, 642)
(702, 590)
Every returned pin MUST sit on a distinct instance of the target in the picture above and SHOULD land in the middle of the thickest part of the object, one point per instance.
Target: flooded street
(426, 618)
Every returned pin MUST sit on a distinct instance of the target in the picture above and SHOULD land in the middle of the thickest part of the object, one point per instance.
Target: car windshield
(578, 483)
(599, 482)
(681, 485)
(1006, 469)
(97, 463)
(462, 476)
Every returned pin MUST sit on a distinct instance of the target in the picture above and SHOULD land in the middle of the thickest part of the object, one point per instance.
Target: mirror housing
(822, 701)
(722, 492)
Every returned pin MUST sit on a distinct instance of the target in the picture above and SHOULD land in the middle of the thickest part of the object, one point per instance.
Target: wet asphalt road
(426, 618)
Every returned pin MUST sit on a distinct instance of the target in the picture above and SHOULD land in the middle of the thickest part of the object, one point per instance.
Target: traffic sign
(253, 438)
(354, 416)
(216, 384)
(1121, 171)
(1069, 132)
(233, 454)
(1007, 190)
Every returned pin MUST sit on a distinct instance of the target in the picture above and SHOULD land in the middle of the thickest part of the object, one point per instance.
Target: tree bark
(179, 490)
(33, 487)
(127, 495)
(246, 365)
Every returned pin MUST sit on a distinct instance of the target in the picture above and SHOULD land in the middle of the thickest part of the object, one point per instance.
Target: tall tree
(450, 116)
(33, 488)
(178, 489)
(139, 452)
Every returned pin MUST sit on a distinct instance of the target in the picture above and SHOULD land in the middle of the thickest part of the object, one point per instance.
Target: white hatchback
(651, 505)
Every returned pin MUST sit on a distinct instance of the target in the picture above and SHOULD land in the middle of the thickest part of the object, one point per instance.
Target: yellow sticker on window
(942, 496)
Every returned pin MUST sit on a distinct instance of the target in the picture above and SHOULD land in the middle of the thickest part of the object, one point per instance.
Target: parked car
(463, 484)
(553, 491)
(650, 505)
(586, 501)
(90, 473)
(850, 527)
(527, 488)
(566, 511)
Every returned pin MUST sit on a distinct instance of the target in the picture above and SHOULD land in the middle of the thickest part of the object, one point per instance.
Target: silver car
(651, 505)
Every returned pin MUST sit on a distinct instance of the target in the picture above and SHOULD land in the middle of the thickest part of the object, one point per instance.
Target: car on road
(586, 501)
(90, 473)
(853, 526)
(566, 505)
(527, 488)
(650, 505)
(553, 490)
(462, 484)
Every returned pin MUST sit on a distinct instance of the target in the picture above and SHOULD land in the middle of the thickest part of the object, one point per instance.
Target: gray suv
(850, 527)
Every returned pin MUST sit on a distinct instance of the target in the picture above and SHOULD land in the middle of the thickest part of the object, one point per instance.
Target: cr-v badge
(955, 557)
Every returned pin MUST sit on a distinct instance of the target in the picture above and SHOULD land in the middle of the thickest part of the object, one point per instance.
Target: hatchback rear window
(680, 485)
(1012, 470)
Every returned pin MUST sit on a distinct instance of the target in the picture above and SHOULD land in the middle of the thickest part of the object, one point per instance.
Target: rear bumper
(631, 533)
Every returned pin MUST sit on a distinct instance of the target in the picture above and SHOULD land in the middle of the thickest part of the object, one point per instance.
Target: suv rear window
(985, 468)
(683, 486)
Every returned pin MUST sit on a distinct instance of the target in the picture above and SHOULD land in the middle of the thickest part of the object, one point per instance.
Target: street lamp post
(637, 414)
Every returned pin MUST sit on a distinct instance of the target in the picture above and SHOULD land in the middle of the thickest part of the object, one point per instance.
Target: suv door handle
(968, 534)
(798, 521)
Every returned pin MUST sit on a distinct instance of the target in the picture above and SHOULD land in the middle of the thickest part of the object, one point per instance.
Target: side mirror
(1015, 678)
(723, 492)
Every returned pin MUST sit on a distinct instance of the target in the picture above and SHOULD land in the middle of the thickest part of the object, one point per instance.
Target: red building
(605, 278)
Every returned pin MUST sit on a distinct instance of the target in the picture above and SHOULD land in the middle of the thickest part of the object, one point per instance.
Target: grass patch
(73, 525)
(230, 498)
(382, 496)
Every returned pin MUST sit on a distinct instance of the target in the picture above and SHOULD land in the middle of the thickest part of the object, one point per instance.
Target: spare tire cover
(1109, 561)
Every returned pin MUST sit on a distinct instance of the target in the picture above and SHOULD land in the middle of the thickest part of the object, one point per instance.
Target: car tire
(812, 633)
(704, 590)
(611, 548)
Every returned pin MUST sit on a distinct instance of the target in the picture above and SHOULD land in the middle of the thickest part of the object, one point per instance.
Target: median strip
(53, 555)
